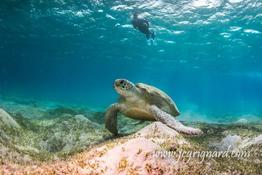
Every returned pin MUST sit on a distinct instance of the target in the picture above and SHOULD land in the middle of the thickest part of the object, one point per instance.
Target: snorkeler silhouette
(142, 25)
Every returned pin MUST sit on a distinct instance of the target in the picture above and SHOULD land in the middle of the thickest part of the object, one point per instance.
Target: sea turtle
(144, 102)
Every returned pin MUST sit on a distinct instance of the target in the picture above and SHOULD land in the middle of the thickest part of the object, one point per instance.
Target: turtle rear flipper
(170, 121)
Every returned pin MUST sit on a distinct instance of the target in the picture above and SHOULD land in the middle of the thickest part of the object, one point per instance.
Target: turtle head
(124, 87)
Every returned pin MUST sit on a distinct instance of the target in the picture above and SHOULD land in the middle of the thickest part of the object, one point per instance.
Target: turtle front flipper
(111, 118)
(170, 121)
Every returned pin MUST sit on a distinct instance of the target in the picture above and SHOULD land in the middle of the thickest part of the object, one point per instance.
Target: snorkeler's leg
(152, 35)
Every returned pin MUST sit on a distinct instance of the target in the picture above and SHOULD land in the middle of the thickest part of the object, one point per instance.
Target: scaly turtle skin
(144, 102)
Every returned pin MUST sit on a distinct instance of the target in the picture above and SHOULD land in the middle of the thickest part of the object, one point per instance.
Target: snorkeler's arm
(133, 22)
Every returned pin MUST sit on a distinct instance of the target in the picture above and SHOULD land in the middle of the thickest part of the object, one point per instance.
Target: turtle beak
(116, 86)
(117, 83)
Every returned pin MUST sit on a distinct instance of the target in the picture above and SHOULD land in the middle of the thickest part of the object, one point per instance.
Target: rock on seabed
(6, 121)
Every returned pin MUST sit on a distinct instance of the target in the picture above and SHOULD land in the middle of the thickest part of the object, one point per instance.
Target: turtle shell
(155, 96)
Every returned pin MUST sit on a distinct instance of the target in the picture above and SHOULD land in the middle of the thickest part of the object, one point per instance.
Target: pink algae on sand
(133, 157)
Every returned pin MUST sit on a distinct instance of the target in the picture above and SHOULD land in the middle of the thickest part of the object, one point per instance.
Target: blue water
(206, 56)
